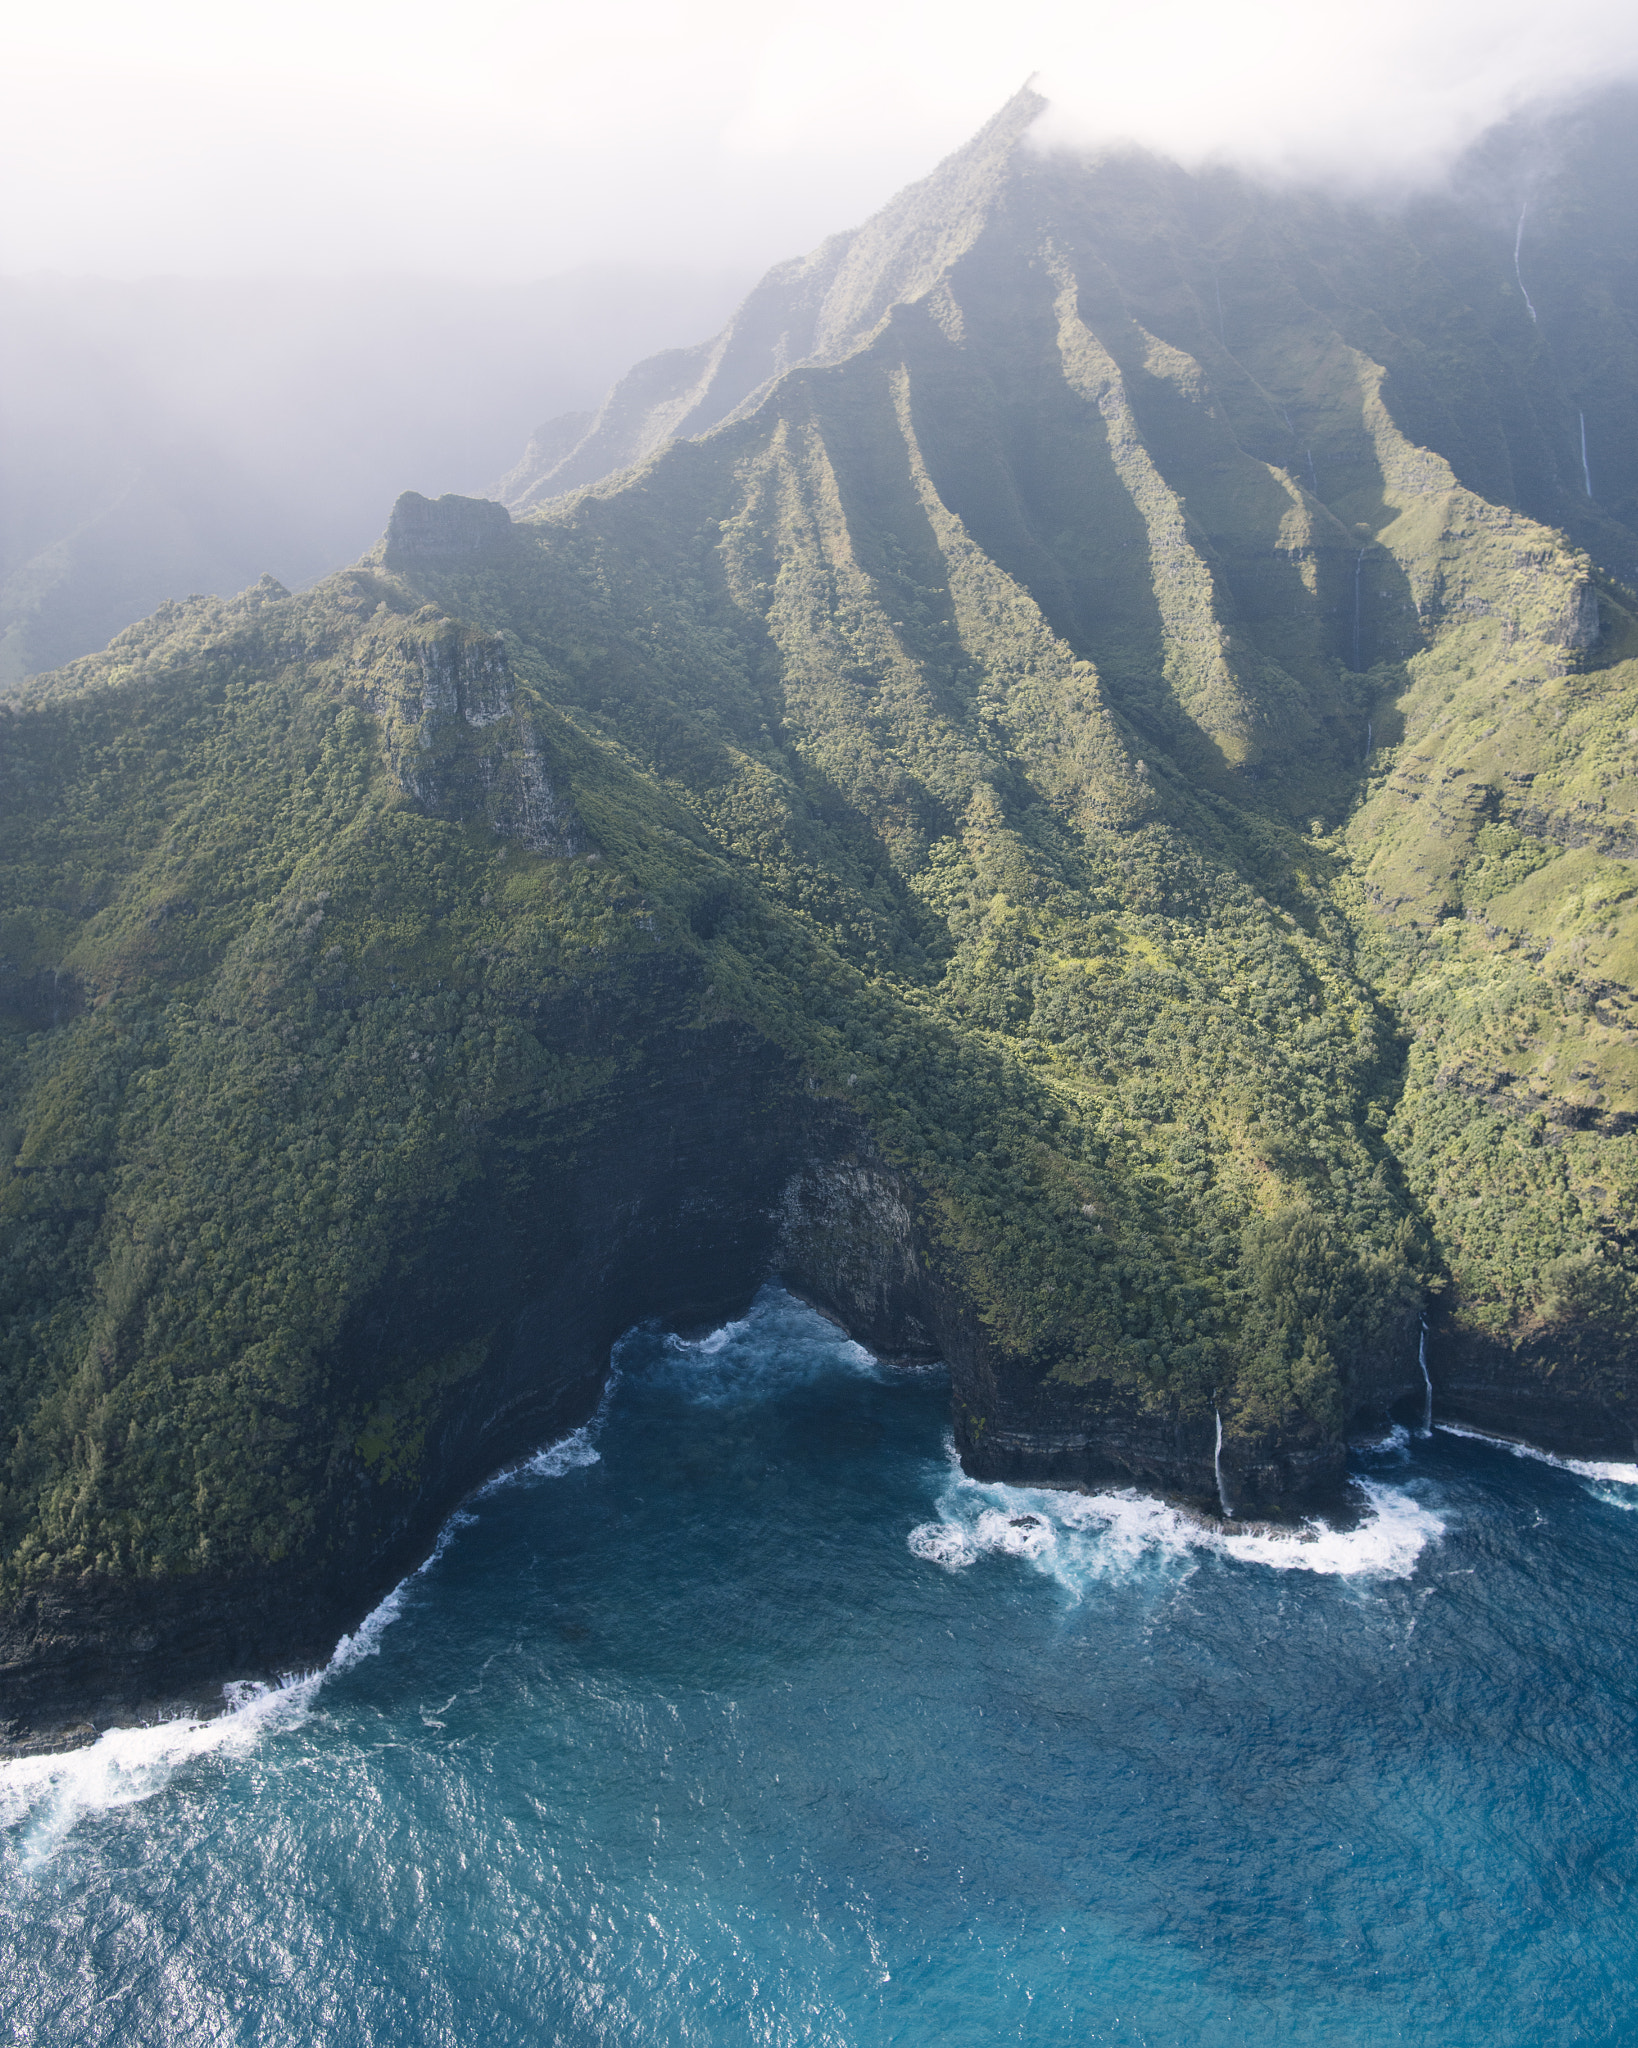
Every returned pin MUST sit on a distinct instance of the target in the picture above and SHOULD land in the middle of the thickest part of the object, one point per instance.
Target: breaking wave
(766, 1352)
(1078, 1539)
(1612, 1481)
(1614, 1472)
(47, 1795)
(569, 1453)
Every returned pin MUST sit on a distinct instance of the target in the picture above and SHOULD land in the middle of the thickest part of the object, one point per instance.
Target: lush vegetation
(1213, 888)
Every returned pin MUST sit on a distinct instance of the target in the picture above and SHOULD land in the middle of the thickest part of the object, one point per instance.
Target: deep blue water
(742, 1717)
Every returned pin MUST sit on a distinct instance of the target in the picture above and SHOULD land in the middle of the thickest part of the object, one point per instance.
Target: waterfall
(1359, 565)
(1370, 739)
(1586, 473)
(1285, 412)
(1518, 243)
(1313, 481)
(1217, 1467)
(1427, 1382)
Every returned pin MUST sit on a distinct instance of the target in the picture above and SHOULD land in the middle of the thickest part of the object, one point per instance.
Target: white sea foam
(763, 1353)
(47, 1795)
(776, 1333)
(1612, 1473)
(569, 1454)
(709, 1345)
(1080, 1538)
(945, 1543)
(1396, 1444)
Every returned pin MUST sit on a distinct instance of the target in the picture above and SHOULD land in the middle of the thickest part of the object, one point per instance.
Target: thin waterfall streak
(1586, 473)
(1518, 244)
(1313, 481)
(1427, 1383)
(1359, 567)
(1217, 1467)
(1370, 739)
(1285, 412)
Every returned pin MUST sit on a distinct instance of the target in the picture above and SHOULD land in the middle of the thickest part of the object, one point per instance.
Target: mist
(170, 435)
(506, 141)
(259, 274)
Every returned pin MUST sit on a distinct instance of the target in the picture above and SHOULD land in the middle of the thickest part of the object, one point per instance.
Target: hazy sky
(511, 138)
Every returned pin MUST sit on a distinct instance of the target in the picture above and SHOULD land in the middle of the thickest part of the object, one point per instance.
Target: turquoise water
(742, 1717)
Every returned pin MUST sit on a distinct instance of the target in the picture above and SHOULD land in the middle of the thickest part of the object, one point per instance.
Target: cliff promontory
(1066, 786)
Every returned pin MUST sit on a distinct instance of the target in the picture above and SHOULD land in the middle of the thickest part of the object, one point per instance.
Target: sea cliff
(1081, 815)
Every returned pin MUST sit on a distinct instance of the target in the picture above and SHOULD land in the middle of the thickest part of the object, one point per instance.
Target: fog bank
(172, 435)
(509, 142)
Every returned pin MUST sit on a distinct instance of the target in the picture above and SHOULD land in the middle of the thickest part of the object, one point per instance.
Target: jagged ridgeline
(1081, 811)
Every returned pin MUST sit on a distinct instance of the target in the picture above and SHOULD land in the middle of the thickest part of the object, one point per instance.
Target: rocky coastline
(684, 1222)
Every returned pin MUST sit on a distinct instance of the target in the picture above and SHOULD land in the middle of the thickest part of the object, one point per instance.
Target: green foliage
(988, 755)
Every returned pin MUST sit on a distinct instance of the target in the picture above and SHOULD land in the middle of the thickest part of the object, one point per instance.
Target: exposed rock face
(1071, 1439)
(851, 1240)
(1566, 1388)
(457, 741)
(444, 529)
(724, 1169)
(1581, 627)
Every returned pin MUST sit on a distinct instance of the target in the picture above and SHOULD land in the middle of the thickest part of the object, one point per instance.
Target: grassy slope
(987, 722)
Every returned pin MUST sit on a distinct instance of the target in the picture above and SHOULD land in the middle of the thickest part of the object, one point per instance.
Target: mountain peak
(811, 309)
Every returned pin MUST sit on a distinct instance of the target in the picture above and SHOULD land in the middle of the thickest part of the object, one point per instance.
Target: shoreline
(188, 1713)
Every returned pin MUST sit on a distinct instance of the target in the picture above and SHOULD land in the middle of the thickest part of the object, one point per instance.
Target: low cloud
(514, 142)
(1384, 96)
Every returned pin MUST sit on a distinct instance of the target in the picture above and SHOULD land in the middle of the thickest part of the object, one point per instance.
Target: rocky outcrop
(851, 1241)
(457, 740)
(1026, 1431)
(854, 1240)
(438, 530)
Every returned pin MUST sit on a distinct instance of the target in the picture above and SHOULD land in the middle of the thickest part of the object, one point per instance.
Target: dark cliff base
(1568, 1389)
(725, 1170)
(1174, 1455)
(670, 1206)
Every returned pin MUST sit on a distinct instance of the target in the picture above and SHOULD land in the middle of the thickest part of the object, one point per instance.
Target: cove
(741, 1715)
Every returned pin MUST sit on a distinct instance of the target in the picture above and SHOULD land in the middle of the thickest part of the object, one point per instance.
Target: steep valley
(1066, 786)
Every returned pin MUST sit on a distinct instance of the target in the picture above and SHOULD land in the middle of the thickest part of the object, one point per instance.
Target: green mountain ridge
(165, 435)
(1083, 815)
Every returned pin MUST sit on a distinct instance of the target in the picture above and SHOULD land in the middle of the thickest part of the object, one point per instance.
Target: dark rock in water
(444, 529)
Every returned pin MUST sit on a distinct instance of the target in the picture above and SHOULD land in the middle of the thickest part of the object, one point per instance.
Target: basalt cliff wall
(723, 1169)
(1075, 804)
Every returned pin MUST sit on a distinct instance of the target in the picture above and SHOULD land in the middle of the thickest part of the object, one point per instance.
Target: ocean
(742, 1716)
